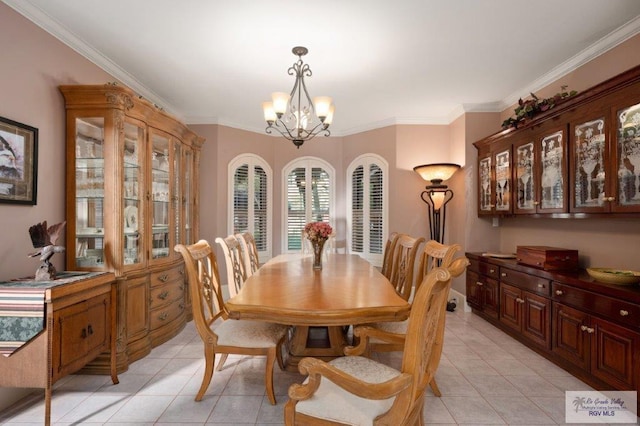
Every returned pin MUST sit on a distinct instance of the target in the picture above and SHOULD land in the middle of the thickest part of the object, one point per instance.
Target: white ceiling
(383, 62)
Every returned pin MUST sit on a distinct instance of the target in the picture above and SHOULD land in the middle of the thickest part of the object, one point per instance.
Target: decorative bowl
(614, 276)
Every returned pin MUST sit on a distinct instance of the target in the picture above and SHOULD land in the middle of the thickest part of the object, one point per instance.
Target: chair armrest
(365, 332)
(317, 369)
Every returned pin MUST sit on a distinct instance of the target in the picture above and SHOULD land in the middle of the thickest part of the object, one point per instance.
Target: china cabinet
(580, 157)
(131, 197)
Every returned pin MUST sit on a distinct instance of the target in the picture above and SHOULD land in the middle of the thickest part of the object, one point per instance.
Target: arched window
(367, 206)
(309, 186)
(250, 194)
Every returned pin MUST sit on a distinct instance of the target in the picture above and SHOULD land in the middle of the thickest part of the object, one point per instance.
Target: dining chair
(234, 263)
(357, 390)
(249, 252)
(387, 257)
(433, 255)
(220, 334)
(403, 264)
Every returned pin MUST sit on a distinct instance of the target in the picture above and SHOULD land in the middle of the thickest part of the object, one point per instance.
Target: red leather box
(548, 258)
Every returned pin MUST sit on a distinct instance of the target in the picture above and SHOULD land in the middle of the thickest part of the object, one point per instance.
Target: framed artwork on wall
(18, 162)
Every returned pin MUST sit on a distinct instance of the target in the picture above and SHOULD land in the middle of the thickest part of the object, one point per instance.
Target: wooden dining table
(320, 304)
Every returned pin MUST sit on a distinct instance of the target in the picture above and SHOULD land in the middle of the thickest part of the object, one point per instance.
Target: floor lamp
(436, 195)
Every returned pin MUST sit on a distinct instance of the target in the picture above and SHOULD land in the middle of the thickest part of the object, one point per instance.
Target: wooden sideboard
(589, 328)
(78, 324)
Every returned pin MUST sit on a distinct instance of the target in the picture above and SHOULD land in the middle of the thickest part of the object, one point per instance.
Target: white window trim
(366, 160)
(306, 162)
(251, 160)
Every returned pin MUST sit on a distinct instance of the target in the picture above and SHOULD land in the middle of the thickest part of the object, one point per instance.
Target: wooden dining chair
(357, 390)
(249, 252)
(433, 255)
(220, 334)
(234, 263)
(387, 256)
(402, 267)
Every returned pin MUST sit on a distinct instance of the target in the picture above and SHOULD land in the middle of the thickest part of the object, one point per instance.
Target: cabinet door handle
(163, 278)
(583, 327)
(519, 300)
(491, 271)
(163, 295)
(590, 330)
(540, 285)
(492, 205)
(84, 333)
(479, 283)
(504, 274)
(535, 203)
(163, 316)
(559, 292)
(624, 313)
(90, 329)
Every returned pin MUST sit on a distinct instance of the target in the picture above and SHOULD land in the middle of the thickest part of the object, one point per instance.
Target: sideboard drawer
(613, 309)
(526, 281)
(484, 268)
(162, 316)
(161, 295)
(163, 277)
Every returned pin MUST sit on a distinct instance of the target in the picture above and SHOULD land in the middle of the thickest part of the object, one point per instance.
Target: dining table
(320, 305)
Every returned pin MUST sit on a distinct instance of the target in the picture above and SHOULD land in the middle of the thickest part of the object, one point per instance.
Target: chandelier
(294, 115)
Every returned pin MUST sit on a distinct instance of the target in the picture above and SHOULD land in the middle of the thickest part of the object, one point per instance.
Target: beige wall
(33, 65)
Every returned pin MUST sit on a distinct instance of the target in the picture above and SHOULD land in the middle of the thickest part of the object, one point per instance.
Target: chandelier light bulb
(322, 105)
(269, 112)
(280, 101)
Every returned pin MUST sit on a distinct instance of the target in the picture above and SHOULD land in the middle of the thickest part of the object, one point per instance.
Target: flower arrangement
(527, 109)
(317, 231)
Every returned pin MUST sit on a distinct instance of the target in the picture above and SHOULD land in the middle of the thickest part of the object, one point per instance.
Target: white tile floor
(485, 376)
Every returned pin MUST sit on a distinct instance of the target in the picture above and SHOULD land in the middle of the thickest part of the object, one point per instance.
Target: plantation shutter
(296, 207)
(260, 208)
(320, 195)
(376, 210)
(367, 207)
(241, 199)
(357, 210)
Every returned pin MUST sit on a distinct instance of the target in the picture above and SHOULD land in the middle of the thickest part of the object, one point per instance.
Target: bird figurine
(44, 240)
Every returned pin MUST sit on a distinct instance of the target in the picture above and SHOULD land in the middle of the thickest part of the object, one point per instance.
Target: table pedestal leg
(325, 343)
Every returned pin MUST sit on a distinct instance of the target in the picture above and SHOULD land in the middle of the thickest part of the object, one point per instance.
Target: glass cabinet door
(525, 166)
(485, 204)
(131, 193)
(503, 181)
(89, 192)
(553, 183)
(628, 154)
(176, 199)
(187, 197)
(160, 197)
(589, 165)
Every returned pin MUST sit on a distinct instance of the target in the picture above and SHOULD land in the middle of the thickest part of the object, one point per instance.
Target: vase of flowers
(317, 233)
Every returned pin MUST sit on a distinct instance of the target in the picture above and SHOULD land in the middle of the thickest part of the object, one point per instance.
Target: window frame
(366, 160)
(308, 163)
(251, 160)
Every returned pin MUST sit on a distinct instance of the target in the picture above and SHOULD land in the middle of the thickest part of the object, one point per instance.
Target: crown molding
(603, 45)
(53, 27)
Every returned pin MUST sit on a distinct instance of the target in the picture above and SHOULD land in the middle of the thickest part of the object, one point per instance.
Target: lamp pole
(436, 200)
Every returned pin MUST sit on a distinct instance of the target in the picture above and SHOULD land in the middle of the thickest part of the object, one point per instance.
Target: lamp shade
(436, 172)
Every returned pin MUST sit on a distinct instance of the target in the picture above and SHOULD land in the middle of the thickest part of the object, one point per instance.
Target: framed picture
(18, 162)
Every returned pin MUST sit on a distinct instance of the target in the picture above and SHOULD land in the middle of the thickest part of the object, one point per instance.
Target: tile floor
(486, 378)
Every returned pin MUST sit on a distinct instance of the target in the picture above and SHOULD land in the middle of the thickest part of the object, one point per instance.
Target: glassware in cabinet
(131, 198)
(628, 155)
(160, 197)
(89, 192)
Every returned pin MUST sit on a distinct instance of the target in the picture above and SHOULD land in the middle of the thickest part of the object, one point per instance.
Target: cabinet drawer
(163, 277)
(524, 281)
(164, 294)
(162, 316)
(484, 268)
(613, 309)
